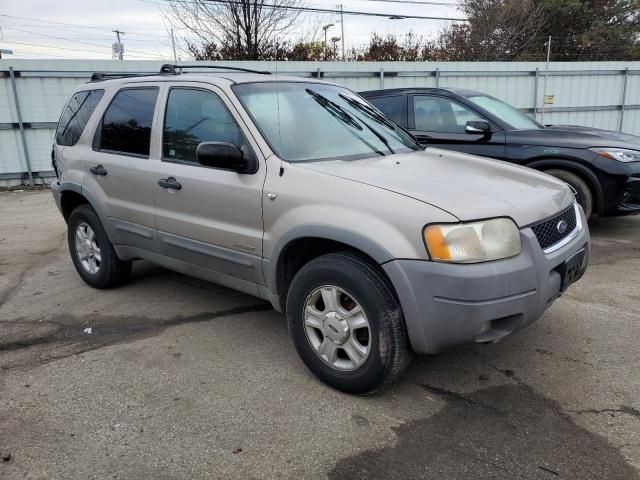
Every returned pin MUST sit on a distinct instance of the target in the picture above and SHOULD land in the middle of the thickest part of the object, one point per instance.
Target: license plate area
(572, 269)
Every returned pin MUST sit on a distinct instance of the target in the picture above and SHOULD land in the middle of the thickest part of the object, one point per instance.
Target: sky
(83, 28)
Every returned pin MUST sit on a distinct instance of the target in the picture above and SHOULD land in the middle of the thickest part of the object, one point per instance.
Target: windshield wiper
(372, 112)
(334, 109)
(377, 116)
(338, 112)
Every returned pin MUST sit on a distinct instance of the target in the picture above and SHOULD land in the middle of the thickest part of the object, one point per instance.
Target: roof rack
(177, 69)
(100, 76)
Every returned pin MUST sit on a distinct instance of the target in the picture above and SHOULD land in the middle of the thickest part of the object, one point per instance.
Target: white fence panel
(586, 93)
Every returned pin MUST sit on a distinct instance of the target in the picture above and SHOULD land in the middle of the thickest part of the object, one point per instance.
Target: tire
(584, 194)
(109, 271)
(358, 283)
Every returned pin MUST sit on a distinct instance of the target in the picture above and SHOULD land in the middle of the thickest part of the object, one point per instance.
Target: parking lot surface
(180, 378)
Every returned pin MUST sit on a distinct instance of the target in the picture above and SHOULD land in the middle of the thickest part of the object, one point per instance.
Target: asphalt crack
(622, 409)
(106, 330)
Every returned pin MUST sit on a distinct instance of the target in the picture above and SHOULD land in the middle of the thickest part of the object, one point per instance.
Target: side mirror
(478, 127)
(223, 155)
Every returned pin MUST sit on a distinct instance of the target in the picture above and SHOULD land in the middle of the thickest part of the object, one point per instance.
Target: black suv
(602, 166)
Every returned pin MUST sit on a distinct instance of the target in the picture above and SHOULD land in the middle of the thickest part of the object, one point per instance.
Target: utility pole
(119, 51)
(544, 85)
(173, 44)
(344, 59)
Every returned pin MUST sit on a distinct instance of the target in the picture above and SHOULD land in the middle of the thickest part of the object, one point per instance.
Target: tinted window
(195, 116)
(393, 107)
(126, 126)
(436, 114)
(75, 116)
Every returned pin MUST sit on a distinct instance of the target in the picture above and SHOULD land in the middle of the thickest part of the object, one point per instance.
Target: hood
(466, 186)
(571, 136)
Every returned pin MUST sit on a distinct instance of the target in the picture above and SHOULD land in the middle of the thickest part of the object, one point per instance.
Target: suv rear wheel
(346, 324)
(584, 195)
(92, 253)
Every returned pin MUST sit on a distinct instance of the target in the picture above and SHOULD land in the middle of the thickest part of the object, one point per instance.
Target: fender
(576, 167)
(67, 186)
(327, 232)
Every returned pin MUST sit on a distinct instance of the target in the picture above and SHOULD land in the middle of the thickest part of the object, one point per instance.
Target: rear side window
(394, 107)
(75, 116)
(126, 125)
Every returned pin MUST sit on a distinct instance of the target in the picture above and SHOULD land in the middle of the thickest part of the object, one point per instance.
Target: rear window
(126, 125)
(393, 106)
(75, 116)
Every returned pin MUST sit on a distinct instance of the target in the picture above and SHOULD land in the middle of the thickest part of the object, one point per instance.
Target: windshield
(505, 112)
(310, 121)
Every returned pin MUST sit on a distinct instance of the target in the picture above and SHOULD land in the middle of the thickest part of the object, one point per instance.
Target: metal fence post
(381, 78)
(437, 77)
(624, 97)
(535, 95)
(20, 124)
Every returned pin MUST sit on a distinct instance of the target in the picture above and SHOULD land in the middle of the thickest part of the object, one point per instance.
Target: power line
(70, 24)
(320, 10)
(416, 2)
(77, 41)
(66, 48)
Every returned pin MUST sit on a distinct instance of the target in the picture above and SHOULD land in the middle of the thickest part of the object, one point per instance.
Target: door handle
(170, 182)
(98, 170)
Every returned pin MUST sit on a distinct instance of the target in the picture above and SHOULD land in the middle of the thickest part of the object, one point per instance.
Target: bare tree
(497, 30)
(233, 29)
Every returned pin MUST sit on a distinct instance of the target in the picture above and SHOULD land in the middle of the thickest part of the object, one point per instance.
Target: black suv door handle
(170, 183)
(98, 170)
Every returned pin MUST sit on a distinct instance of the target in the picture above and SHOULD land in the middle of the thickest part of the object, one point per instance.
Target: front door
(440, 122)
(117, 168)
(205, 216)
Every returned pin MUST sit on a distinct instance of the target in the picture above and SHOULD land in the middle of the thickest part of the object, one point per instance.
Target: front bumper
(629, 204)
(447, 305)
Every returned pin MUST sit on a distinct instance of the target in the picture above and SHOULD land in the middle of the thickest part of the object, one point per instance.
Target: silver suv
(300, 192)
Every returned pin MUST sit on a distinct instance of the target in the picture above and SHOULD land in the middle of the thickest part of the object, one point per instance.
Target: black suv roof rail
(177, 69)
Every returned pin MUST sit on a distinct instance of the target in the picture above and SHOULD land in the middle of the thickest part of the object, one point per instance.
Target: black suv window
(194, 116)
(393, 106)
(126, 125)
(75, 116)
(438, 114)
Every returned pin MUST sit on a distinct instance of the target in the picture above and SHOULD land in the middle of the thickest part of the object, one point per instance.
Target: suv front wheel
(92, 253)
(346, 324)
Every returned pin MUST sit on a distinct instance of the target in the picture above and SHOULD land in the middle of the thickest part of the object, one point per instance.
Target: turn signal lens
(473, 242)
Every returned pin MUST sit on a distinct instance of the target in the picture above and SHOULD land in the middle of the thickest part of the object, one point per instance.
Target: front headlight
(473, 242)
(619, 154)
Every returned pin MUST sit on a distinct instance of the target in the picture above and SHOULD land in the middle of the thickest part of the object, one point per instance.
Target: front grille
(547, 231)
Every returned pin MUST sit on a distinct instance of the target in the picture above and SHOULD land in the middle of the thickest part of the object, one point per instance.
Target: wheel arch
(72, 196)
(305, 243)
(577, 168)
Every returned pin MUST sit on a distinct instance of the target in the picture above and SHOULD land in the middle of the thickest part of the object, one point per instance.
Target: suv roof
(174, 73)
(456, 91)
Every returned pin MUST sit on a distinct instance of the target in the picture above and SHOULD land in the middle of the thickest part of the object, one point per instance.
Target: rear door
(439, 121)
(213, 219)
(117, 169)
